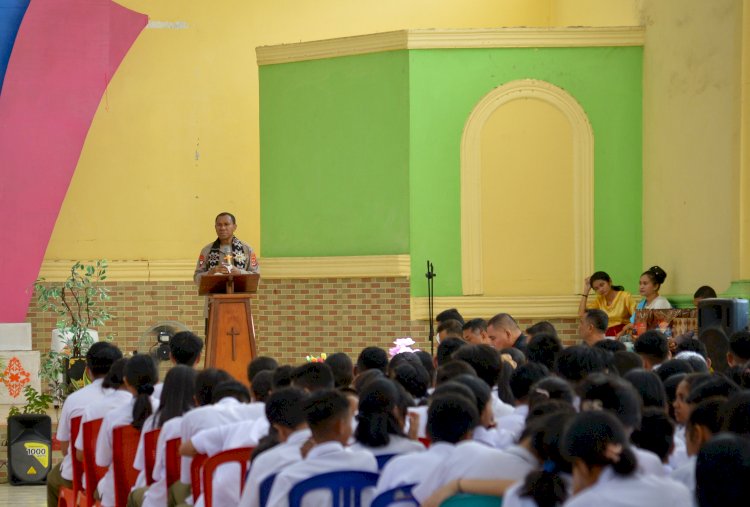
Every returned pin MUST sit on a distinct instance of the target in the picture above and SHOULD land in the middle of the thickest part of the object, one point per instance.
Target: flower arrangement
(313, 359)
(402, 345)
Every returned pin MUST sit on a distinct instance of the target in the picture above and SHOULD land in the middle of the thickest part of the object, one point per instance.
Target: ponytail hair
(116, 374)
(141, 375)
(177, 395)
(598, 439)
(546, 486)
(603, 276)
(378, 401)
(656, 274)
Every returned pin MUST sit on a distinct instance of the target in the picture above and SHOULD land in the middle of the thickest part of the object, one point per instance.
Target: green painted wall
(334, 137)
(446, 85)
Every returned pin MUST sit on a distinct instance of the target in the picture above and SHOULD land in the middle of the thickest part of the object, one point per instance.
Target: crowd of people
(497, 411)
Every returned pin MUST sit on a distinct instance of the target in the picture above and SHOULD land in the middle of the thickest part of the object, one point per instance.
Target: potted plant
(78, 303)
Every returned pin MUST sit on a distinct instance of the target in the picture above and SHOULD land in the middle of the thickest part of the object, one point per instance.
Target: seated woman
(611, 299)
(648, 286)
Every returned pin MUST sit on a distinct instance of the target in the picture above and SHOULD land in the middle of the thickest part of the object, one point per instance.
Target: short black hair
(704, 292)
(342, 368)
(524, 377)
(372, 358)
(226, 214)
(426, 360)
(708, 413)
(624, 361)
(205, 383)
(541, 327)
(313, 377)
(576, 362)
(450, 417)
(452, 326)
(597, 318)
(475, 324)
(413, 377)
(282, 376)
(262, 385)
(589, 434)
(739, 345)
(285, 407)
(649, 386)
(448, 314)
(720, 464)
(610, 345)
(652, 344)
(324, 407)
(482, 392)
(100, 357)
(446, 349)
(656, 433)
(516, 354)
(484, 359)
(185, 347)
(673, 367)
(735, 414)
(715, 385)
(604, 392)
(692, 345)
(452, 369)
(230, 389)
(551, 388)
(259, 364)
(544, 348)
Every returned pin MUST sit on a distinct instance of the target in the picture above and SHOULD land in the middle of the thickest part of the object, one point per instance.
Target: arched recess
(471, 176)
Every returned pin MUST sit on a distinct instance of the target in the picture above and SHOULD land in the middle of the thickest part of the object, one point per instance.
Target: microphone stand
(431, 304)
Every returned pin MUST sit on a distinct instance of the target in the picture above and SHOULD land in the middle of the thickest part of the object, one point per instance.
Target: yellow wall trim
(448, 39)
(278, 268)
(535, 307)
(471, 177)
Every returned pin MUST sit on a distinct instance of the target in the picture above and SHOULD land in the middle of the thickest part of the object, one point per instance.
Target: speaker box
(29, 448)
(730, 315)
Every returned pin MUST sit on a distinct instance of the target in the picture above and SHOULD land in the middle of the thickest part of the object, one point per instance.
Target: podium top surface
(227, 284)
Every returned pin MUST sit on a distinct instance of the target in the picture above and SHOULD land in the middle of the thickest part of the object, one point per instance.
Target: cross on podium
(232, 332)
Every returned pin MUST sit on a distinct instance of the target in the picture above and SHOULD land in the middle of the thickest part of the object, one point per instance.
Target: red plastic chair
(425, 441)
(240, 455)
(67, 496)
(173, 462)
(149, 454)
(91, 471)
(124, 446)
(195, 475)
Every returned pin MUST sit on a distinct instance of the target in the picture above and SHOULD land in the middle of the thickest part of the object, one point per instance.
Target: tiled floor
(28, 496)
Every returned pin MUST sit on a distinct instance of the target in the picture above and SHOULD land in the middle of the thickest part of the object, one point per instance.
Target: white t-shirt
(396, 445)
(156, 494)
(512, 497)
(325, 457)
(412, 468)
(270, 463)
(636, 490)
(74, 406)
(659, 303)
(514, 423)
(100, 408)
(686, 474)
(499, 407)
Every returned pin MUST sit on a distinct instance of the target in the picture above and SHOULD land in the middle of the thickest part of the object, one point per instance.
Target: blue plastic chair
(400, 495)
(467, 500)
(265, 489)
(383, 459)
(346, 487)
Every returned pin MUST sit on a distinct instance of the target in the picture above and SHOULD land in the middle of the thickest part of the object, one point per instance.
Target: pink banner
(64, 56)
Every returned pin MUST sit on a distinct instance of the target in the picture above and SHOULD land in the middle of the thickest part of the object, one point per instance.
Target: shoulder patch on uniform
(201, 260)
(253, 260)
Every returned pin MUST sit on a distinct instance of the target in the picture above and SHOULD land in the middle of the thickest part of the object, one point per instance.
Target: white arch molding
(471, 177)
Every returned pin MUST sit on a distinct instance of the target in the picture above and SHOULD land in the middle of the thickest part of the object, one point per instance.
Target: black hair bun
(659, 274)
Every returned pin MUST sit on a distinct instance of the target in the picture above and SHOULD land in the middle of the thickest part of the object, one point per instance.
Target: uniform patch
(201, 260)
(253, 260)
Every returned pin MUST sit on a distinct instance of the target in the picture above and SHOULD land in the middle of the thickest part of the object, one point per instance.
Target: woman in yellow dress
(611, 299)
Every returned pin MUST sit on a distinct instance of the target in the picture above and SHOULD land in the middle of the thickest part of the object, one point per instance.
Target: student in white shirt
(521, 381)
(721, 470)
(380, 420)
(99, 360)
(140, 376)
(548, 485)
(487, 363)
(177, 397)
(185, 348)
(603, 392)
(704, 422)
(329, 418)
(205, 415)
(450, 419)
(117, 396)
(605, 467)
(285, 411)
(485, 432)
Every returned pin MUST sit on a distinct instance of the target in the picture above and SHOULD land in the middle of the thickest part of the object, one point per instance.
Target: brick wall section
(293, 317)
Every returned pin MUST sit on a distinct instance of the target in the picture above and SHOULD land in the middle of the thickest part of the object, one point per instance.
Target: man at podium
(226, 255)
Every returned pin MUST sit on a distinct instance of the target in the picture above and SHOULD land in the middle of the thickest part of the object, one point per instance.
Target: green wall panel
(446, 85)
(334, 156)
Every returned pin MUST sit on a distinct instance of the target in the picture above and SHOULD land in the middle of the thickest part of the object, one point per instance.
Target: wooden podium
(230, 344)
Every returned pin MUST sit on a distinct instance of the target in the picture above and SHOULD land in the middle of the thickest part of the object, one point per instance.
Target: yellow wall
(691, 141)
(527, 201)
(595, 12)
(176, 139)
(745, 150)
